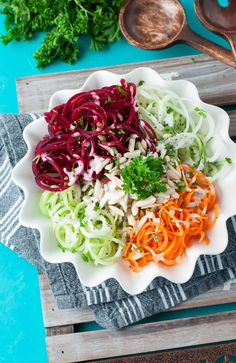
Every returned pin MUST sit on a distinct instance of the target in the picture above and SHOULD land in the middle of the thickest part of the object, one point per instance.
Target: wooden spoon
(155, 24)
(221, 20)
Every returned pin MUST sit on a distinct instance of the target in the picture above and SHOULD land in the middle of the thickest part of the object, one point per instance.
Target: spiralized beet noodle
(94, 123)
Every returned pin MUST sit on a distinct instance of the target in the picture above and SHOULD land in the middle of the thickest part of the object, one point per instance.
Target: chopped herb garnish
(140, 83)
(108, 100)
(201, 112)
(156, 238)
(85, 257)
(182, 187)
(168, 130)
(169, 109)
(138, 249)
(117, 162)
(81, 122)
(121, 90)
(228, 160)
(121, 132)
(142, 176)
(170, 150)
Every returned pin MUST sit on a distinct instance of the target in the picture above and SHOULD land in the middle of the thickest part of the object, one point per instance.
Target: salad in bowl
(129, 177)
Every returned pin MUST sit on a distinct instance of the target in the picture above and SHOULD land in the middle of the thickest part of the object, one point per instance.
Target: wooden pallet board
(53, 316)
(217, 85)
(64, 345)
(216, 81)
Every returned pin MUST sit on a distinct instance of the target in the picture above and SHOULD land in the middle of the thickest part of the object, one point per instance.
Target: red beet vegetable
(88, 124)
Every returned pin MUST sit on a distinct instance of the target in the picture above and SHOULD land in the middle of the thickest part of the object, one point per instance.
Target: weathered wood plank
(232, 126)
(216, 81)
(54, 317)
(142, 338)
(60, 330)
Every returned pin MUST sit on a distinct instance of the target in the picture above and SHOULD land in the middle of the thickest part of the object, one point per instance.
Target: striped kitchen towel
(113, 307)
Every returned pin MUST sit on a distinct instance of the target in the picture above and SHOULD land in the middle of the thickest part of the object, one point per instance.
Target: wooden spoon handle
(232, 40)
(208, 47)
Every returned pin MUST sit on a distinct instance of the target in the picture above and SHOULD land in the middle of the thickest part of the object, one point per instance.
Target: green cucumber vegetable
(185, 130)
(94, 234)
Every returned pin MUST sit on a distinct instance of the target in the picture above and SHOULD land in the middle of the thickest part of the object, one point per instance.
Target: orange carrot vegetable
(177, 224)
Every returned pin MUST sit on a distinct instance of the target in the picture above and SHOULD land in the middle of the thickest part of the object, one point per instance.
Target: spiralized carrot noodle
(177, 224)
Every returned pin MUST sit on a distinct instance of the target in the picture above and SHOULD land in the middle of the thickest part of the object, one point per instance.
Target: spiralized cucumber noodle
(92, 232)
(185, 126)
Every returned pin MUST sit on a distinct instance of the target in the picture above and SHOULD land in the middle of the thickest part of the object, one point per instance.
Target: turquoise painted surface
(22, 337)
(21, 327)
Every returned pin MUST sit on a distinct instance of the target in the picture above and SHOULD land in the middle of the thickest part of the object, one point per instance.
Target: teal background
(22, 336)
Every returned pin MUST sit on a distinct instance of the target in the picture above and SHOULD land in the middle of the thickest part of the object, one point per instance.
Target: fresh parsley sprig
(64, 21)
(142, 176)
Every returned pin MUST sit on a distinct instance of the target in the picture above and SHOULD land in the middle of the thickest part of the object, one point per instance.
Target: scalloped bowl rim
(132, 283)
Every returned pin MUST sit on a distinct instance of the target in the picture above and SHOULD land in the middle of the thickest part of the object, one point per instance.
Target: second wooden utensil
(155, 24)
(220, 20)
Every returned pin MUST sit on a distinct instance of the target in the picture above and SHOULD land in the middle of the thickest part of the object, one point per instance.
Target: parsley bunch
(142, 176)
(64, 21)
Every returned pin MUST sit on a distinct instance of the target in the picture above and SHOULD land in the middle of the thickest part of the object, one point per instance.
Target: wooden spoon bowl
(155, 24)
(221, 20)
(152, 24)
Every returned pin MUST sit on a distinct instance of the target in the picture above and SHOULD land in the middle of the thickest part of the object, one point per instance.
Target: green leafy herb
(169, 110)
(141, 82)
(108, 100)
(121, 132)
(86, 257)
(168, 130)
(201, 112)
(117, 162)
(121, 90)
(170, 150)
(142, 176)
(138, 249)
(182, 186)
(228, 160)
(64, 21)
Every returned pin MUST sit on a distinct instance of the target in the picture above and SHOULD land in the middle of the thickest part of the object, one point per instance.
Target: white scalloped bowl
(133, 283)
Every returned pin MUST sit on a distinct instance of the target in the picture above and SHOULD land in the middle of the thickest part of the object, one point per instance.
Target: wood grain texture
(142, 338)
(232, 126)
(54, 317)
(216, 81)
